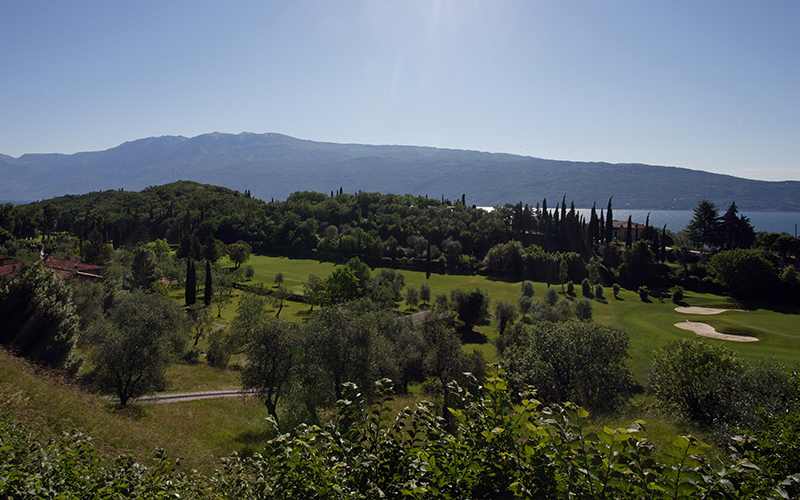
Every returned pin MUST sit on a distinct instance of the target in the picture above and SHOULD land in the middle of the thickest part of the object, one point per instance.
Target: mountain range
(272, 166)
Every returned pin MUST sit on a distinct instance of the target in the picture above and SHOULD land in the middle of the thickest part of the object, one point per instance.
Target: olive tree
(272, 354)
(579, 361)
(143, 334)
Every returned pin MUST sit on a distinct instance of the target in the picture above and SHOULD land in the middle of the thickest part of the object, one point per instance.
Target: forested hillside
(272, 166)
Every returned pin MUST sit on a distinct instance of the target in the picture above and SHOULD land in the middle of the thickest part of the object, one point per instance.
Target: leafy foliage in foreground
(493, 448)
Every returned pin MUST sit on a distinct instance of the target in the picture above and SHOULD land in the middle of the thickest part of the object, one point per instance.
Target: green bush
(710, 385)
(643, 292)
(495, 444)
(677, 294)
(586, 288)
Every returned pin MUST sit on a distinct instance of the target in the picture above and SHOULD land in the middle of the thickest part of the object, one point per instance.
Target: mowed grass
(650, 325)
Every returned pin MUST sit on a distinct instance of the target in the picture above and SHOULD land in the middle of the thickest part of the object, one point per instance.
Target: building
(620, 230)
(64, 267)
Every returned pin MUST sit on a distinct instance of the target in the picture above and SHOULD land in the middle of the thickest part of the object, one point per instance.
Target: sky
(709, 85)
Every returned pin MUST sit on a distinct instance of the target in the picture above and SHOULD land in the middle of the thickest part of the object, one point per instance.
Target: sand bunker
(706, 330)
(702, 310)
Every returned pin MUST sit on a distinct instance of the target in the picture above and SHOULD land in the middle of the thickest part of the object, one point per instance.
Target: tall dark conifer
(209, 290)
(629, 235)
(191, 283)
(609, 223)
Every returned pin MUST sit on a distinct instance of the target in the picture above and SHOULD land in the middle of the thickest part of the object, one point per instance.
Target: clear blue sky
(708, 85)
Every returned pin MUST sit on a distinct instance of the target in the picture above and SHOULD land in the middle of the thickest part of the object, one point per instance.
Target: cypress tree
(629, 236)
(191, 280)
(428, 263)
(664, 244)
(209, 290)
(609, 223)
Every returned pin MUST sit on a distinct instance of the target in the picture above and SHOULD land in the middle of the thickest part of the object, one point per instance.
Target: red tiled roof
(64, 267)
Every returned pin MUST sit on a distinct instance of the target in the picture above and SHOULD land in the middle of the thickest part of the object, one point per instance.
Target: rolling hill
(274, 165)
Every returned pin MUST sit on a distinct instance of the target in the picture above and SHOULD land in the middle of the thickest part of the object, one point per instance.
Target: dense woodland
(119, 335)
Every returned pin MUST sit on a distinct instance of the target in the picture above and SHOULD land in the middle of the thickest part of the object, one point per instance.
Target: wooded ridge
(272, 166)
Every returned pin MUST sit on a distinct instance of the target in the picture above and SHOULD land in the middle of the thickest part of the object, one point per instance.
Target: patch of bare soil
(706, 330)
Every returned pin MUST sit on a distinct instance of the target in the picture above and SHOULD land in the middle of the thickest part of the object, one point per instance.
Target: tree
(425, 293)
(710, 385)
(342, 286)
(279, 295)
(471, 307)
(201, 323)
(143, 269)
(339, 345)
(191, 283)
(208, 291)
(586, 288)
(38, 319)
(563, 272)
(223, 291)
(444, 357)
(579, 361)
(525, 305)
(704, 226)
(412, 297)
(272, 353)
(213, 249)
(551, 296)
(638, 265)
(629, 233)
(279, 279)
(386, 288)
(505, 314)
(735, 231)
(142, 335)
(748, 274)
(314, 291)
(239, 252)
(526, 289)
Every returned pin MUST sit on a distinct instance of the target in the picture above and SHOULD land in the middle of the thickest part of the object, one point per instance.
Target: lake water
(677, 220)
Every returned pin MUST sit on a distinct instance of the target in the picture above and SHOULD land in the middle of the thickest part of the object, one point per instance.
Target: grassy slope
(650, 325)
(203, 430)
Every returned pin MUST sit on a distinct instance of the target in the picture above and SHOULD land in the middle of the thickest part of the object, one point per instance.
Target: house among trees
(64, 267)
(620, 230)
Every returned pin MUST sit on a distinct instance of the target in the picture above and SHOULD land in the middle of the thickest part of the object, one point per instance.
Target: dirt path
(706, 330)
(176, 397)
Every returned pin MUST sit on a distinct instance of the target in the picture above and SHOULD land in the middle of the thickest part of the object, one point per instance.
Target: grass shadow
(470, 336)
(132, 412)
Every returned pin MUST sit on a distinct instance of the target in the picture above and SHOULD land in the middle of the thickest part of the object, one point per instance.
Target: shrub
(615, 288)
(598, 291)
(551, 296)
(579, 361)
(586, 288)
(570, 288)
(583, 310)
(219, 350)
(643, 293)
(709, 385)
(677, 294)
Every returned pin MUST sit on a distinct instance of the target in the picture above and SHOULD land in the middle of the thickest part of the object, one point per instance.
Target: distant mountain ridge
(275, 165)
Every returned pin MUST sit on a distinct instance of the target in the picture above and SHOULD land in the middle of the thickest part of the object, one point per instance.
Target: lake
(677, 220)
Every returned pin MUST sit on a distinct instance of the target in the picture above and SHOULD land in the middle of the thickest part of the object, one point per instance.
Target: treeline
(384, 230)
